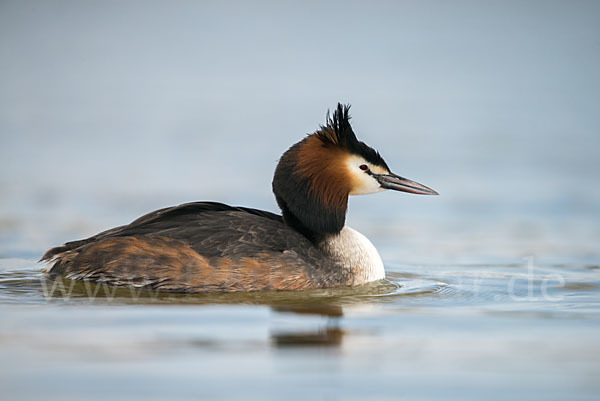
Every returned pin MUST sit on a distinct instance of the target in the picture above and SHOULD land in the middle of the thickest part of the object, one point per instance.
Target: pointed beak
(397, 183)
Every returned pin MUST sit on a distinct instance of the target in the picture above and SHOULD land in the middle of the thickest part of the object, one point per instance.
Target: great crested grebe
(208, 246)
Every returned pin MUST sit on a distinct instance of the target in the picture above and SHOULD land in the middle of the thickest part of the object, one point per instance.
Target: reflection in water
(313, 308)
(327, 334)
(327, 337)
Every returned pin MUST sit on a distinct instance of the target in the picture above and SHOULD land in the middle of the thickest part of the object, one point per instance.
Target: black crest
(338, 132)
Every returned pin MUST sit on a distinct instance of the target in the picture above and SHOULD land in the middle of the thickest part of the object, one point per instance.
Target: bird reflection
(327, 335)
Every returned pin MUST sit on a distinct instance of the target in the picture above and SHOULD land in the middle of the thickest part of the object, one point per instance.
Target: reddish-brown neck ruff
(311, 187)
(323, 167)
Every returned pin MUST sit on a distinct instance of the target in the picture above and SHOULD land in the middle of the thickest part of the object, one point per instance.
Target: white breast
(354, 251)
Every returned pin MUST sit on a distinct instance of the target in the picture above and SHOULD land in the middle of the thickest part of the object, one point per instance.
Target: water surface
(492, 331)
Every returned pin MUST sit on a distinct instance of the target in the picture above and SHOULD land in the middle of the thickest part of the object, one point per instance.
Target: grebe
(208, 246)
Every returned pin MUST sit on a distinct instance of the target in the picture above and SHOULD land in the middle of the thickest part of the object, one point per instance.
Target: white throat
(355, 252)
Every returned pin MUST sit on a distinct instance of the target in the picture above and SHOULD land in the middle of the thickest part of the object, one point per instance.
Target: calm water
(429, 331)
(109, 110)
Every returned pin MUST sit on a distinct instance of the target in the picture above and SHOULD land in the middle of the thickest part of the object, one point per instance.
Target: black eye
(363, 167)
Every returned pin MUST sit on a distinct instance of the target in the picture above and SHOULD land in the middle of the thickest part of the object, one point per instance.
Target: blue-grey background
(110, 109)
